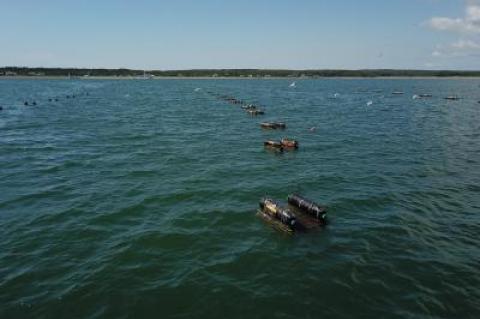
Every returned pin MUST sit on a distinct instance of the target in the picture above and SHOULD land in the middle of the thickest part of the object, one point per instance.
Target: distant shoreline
(123, 78)
(99, 73)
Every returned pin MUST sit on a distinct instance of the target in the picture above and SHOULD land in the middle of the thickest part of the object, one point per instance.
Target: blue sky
(183, 34)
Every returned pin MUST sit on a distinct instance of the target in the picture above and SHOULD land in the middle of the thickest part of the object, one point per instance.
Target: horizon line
(235, 69)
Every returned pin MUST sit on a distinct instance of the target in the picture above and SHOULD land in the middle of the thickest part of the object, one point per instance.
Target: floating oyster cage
(304, 223)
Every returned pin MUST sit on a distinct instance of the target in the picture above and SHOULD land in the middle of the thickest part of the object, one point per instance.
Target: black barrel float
(308, 207)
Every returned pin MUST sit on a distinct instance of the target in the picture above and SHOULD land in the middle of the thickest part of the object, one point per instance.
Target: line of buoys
(249, 108)
(55, 99)
(252, 109)
(29, 102)
(453, 97)
(302, 213)
(282, 218)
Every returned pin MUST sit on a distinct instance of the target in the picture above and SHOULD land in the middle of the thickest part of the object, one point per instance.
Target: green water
(137, 199)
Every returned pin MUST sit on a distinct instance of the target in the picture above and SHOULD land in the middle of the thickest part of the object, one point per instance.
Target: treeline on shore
(84, 72)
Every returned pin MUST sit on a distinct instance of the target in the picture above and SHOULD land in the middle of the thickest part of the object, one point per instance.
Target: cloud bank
(468, 24)
(467, 28)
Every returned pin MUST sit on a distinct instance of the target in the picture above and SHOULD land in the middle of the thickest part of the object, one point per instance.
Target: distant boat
(292, 85)
(397, 93)
(145, 76)
(369, 103)
(336, 95)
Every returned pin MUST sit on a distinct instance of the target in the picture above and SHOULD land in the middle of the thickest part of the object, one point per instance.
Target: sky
(270, 34)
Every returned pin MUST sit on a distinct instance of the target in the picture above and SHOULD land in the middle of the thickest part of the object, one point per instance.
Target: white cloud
(460, 48)
(470, 23)
(468, 29)
(466, 45)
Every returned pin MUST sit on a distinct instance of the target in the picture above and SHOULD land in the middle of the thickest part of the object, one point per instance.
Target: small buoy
(312, 129)
(336, 95)
(369, 103)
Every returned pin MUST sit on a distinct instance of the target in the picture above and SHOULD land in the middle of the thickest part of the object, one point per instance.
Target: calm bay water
(138, 200)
